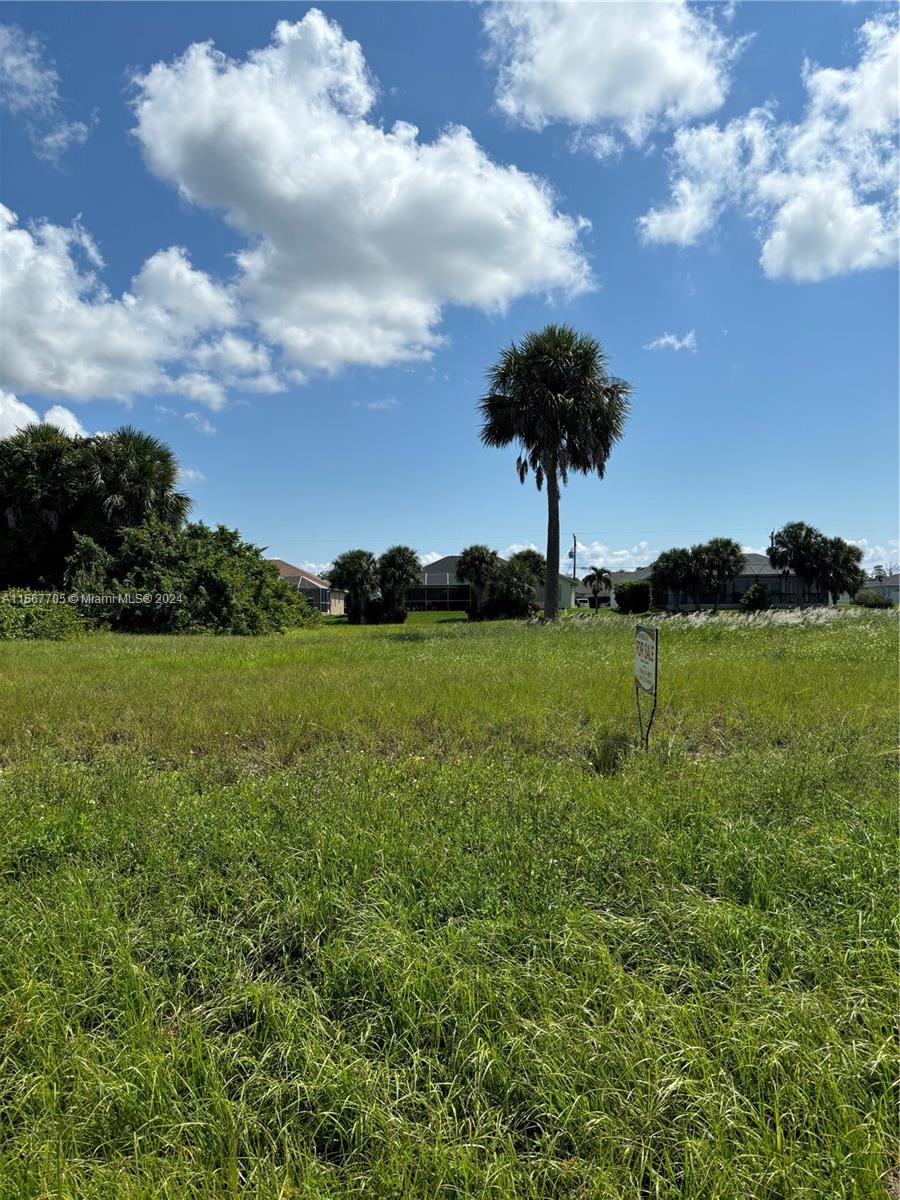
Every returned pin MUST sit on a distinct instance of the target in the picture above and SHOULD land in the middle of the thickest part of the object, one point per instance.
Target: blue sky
(226, 231)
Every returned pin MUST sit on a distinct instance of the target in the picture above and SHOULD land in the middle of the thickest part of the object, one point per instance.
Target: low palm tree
(399, 568)
(532, 562)
(356, 573)
(553, 397)
(798, 547)
(478, 565)
(672, 572)
(722, 561)
(840, 569)
(598, 579)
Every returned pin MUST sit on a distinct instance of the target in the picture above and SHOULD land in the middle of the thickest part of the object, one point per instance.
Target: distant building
(888, 585)
(319, 592)
(784, 588)
(442, 590)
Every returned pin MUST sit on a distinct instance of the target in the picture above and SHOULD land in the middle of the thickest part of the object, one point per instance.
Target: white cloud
(823, 191)
(29, 88)
(671, 341)
(201, 424)
(598, 554)
(28, 83)
(15, 414)
(383, 405)
(190, 475)
(353, 248)
(629, 65)
(516, 547)
(431, 557)
(66, 336)
(885, 553)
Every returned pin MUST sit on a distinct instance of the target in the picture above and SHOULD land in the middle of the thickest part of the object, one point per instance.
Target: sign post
(646, 671)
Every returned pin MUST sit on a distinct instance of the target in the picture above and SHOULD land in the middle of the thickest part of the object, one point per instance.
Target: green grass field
(403, 913)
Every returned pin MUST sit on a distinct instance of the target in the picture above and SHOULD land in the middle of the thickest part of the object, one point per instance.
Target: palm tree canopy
(478, 564)
(355, 571)
(721, 560)
(532, 562)
(553, 396)
(399, 568)
(597, 580)
(797, 547)
(135, 476)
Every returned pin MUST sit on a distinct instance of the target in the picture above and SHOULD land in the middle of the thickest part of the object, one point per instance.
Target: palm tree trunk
(551, 587)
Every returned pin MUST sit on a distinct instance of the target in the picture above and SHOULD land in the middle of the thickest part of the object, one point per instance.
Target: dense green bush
(756, 598)
(510, 592)
(189, 580)
(54, 622)
(633, 595)
(867, 598)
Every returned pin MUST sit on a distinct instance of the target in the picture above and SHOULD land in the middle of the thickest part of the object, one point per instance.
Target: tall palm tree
(672, 573)
(552, 396)
(135, 478)
(598, 579)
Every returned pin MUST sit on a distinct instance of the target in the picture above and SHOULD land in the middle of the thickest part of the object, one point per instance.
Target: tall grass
(402, 914)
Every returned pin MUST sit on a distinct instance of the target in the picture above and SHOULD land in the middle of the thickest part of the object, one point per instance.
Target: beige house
(318, 591)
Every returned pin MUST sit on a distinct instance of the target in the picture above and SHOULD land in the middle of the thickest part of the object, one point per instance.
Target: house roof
(297, 575)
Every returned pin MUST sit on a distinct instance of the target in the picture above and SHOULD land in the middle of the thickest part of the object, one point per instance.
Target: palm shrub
(633, 595)
(532, 562)
(477, 565)
(673, 572)
(356, 573)
(399, 568)
(553, 398)
(510, 592)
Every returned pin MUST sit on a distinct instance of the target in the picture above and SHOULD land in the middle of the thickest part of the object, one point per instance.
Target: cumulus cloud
(352, 246)
(29, 88)
(823, 191)
(598, 554)
(65, 335)
(632, 66)
(431, 557)
(190, 475)
(671, 341)
(201, 424)
(15, 415)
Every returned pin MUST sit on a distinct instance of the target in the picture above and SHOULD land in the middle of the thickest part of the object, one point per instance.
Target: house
(784, 588)
(442, 590)
(319, 592)
(887, 585)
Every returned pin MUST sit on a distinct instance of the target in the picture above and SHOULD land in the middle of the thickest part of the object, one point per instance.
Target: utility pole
(574, 555)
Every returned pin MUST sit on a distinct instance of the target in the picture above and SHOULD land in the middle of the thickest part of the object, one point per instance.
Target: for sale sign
(645, 658)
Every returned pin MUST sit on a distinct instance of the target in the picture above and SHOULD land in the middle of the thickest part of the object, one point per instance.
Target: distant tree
(510, 590)
(531, 561)
(674, 572)
(798, 547)
(756, 598)
(598, 579)
(552, 396)
(356, 573)
(633, 595)
(478, 564)
(720, 560)
(878, 572)
(840, 568)
(399, 568)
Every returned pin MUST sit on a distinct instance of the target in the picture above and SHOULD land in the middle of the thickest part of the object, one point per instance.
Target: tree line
(103, 516)
(377, 588)
(826, 564)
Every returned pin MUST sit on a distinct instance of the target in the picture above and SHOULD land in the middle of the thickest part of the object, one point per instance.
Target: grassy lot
(401, 913)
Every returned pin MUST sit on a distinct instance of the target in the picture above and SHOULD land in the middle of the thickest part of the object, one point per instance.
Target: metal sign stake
(646, 674)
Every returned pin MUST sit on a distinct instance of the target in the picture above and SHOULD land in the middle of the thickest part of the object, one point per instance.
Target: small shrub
(34, 622)
(866, 598)
(633, 596)
(756, 598)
